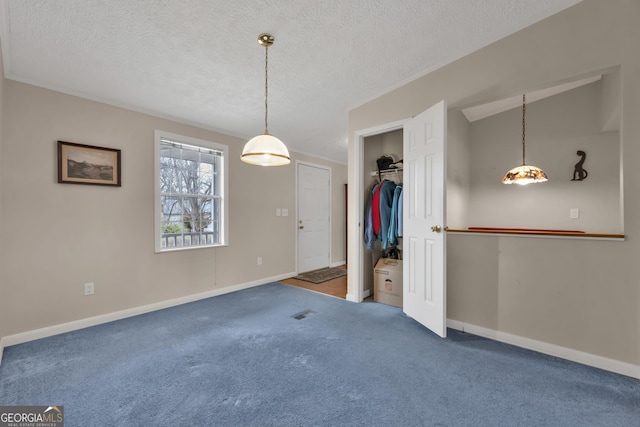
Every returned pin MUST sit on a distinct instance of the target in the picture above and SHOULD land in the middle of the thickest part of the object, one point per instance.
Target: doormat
(322, 275)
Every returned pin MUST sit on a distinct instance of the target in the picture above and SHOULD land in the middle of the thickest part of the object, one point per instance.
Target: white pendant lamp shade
(265, 150)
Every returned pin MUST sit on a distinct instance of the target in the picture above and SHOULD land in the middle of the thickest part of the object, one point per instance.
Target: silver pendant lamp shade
(265, 149)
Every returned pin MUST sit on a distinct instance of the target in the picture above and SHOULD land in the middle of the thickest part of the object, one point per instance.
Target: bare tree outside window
(190, 187)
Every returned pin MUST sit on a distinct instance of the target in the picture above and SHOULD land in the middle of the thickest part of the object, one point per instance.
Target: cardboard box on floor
(387, 282)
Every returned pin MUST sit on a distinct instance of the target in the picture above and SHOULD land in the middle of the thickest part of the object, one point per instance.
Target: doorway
(335, 287)
(424, 268)
(357, 183)
(313, 216)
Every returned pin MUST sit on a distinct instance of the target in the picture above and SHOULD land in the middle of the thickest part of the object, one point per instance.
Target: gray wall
(579, 294)
(56, 237)
(459, 171)
(1, 145)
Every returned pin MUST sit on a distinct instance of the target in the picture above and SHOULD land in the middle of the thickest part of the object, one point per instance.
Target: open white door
(313, 217)
(424, 237)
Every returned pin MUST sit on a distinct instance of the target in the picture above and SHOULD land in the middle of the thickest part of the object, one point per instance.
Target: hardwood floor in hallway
(335, 287)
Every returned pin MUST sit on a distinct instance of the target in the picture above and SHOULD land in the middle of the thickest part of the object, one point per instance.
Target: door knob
(436, 228)
(301, 227)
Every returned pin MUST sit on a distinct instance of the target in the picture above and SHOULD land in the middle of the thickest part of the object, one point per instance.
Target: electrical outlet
(259, 260)
(88, 288)
(574, 213)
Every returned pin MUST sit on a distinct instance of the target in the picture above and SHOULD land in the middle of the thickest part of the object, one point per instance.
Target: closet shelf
(387, 171)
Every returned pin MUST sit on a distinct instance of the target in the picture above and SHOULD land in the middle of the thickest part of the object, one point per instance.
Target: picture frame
(88, 164)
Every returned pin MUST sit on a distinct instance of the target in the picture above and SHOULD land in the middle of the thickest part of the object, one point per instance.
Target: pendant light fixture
(265, 149)
(524, 174)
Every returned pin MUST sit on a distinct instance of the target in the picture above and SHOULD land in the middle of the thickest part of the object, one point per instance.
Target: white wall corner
(572, 355)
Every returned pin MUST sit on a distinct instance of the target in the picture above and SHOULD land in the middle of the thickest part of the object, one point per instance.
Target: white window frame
(224, 209)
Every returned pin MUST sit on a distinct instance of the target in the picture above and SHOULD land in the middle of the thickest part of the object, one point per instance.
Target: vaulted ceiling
(199, 61)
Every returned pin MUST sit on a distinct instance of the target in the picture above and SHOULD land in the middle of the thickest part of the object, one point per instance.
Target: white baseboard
(589, 359)
(337, 264)
(352, 298)
(23, 337)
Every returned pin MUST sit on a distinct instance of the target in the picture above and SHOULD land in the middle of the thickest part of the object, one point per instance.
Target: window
(190, 193)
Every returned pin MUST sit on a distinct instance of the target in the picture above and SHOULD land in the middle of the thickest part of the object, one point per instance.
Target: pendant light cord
(524, 109)
(266, 89)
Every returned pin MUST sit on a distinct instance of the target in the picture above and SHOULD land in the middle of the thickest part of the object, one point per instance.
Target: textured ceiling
(199, 61)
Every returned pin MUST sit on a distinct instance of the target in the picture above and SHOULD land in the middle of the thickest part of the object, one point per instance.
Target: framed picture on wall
(87, 164)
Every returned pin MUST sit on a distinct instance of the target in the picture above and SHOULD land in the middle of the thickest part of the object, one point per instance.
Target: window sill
(528, 232)
(188, 248)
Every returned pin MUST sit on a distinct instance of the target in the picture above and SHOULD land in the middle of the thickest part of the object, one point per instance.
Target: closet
(384, 243)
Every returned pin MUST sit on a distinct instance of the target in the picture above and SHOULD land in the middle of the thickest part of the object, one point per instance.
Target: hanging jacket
(400, 211)
(387, 189)
(369, 236)
(375, 209)
(392, 235)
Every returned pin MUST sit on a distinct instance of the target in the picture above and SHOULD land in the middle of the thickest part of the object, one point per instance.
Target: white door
(424, 238)
(313, 217)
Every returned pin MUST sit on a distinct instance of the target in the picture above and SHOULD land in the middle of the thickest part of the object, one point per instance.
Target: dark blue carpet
(241, 359)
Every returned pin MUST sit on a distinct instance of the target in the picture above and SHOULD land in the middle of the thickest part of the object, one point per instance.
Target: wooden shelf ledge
(535, 232)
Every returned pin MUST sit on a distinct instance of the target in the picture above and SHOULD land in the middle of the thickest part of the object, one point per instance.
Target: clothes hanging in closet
(381, 219)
